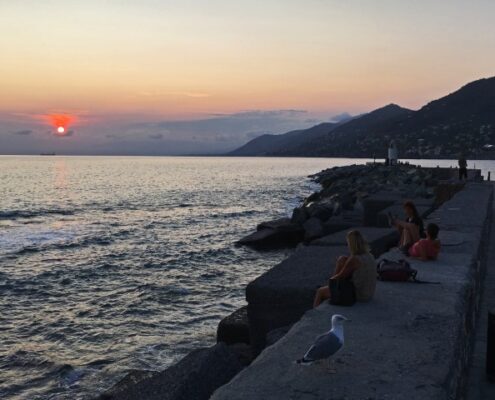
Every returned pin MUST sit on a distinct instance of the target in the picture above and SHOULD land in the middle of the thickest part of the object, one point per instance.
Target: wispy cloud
(23, 132)
(161, 93)
(142, 134)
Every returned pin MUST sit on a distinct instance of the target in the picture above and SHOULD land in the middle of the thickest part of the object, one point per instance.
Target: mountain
(270, 144)
(463, 121)
(342, 140)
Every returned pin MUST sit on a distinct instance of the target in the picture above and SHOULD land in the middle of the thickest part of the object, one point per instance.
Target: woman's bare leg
(322, 293)
(409, 236)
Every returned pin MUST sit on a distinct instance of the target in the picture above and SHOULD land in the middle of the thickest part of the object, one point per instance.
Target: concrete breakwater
(411, 342)
(279, 298)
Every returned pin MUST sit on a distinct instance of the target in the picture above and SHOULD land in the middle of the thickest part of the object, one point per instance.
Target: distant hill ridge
(463, 121)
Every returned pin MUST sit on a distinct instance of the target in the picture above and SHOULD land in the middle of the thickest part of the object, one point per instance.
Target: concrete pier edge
(411, 342)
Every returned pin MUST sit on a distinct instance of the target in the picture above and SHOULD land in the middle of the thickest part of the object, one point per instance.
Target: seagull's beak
(348, 320)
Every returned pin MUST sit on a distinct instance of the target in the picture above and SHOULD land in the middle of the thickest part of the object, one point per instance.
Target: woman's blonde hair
(357, 244)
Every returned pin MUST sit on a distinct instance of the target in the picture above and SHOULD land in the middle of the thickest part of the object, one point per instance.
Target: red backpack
(395, 271)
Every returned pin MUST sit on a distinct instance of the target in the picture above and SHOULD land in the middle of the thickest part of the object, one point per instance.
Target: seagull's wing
(324, 346)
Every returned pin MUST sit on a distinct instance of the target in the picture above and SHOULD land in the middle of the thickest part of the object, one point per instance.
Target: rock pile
(339, 204)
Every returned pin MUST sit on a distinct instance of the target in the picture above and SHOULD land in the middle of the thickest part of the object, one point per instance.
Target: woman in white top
(359, 267)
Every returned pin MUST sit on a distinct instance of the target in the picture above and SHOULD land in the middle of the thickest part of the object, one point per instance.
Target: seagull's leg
(330, 370)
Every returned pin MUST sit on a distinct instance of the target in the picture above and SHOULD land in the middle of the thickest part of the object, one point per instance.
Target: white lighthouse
(393, 153)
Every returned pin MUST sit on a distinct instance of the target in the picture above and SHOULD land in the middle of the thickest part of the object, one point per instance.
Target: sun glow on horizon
(60, 129)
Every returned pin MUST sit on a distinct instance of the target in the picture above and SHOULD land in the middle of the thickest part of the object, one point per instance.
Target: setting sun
(60, 129)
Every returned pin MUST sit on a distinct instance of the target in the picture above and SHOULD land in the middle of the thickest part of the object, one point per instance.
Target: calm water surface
(115, 263)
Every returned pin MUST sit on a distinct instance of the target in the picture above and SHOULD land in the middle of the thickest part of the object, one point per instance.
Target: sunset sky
(170, 77)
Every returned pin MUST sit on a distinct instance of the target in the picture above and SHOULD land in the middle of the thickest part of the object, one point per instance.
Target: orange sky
(186, 60)
(212, 56)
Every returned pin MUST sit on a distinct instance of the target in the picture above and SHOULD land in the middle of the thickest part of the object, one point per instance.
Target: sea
(111, 264)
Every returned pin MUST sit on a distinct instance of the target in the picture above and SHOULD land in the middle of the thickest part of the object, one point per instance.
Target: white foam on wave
(15, 238)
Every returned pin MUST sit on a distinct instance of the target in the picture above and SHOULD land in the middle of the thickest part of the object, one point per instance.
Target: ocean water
(115, 263)
(109, 264)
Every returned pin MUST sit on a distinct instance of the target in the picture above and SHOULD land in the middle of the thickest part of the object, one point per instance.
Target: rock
(195, 377)
(243, 352)
(313, 228)
(279, 224)
(127, 383)
(274, 234)
(299, 215)
(321, 210)
(234, 328)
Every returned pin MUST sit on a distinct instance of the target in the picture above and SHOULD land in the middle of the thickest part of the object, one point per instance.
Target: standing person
(462, 167)
(359, 267)
(411, 230)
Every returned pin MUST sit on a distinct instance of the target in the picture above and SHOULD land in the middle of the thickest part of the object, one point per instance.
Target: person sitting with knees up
(427, 249)
(411, 229)
(359, 267)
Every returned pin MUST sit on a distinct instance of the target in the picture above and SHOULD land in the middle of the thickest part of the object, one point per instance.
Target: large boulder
(195, 377)
(274, 234)
(299, 215)
(234, 328)
(321, 210)
(313, 228)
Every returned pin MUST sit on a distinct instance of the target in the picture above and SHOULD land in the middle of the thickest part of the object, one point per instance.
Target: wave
(16, 214)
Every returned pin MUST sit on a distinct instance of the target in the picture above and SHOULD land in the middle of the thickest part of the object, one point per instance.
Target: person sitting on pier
(411, 230)
(427, 249)
(359, 267)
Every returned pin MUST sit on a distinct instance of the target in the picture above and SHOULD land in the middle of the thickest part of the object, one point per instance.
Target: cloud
(23, 132)
(145, 134)
(159, 93)
(343, 117)
(65, 134)
(263, 114)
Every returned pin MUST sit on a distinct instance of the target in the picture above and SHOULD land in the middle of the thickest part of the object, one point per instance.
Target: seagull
(328, 344)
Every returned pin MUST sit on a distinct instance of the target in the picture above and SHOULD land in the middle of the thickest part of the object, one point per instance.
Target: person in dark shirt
(462, 168)
(411, 229)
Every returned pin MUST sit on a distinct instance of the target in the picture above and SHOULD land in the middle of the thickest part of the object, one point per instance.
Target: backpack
(398, 271)
(342, 292)
(395, 271)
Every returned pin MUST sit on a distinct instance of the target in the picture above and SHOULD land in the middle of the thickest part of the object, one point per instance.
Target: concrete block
(379, 239)
(196, 376)
(280, 296)
(403, 345)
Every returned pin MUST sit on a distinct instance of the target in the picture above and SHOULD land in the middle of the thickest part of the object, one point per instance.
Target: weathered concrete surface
(196, 376)
(379, 239)
(376, 205)
(280, 296)
(399, 346)
(478, 388)
(465, 210)
(412, 341)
